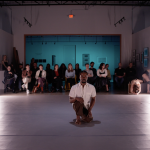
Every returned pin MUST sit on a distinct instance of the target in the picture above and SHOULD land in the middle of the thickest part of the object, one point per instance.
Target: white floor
(46, 122)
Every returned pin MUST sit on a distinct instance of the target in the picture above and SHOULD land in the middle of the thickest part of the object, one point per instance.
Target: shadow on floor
(83, 124)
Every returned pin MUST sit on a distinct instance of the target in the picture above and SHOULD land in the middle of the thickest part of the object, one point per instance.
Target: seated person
(57, 82)
(135, 87)
(41, 78)
(62, 71)
(146, 77)
(108, 74)
(77, 72)
(19, 74)
(70, 75)
(4, 63)
(119, 75)
(101, 78)
(82, 96)
(130, 73)
(49, 75)
(26, 78)
(9, 79)
(34, 70)
(93, 69)
(91, 79)
(108, 71)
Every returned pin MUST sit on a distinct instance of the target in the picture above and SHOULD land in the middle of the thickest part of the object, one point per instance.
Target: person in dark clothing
(9, 79)
(32, 64)
(119, 75)
(130, 73)
(34, 70)
(57, 81)
(93, 69)
(49, 75)
(77, 72)
(4, 63)
(19, 74)
(62, 71)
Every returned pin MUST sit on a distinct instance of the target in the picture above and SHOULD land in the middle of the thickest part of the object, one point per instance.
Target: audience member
(32, 64)
(41, 78)
(146, 77)
(130, 73)
(57, 82)
(20, 76)
(108, 71)
(119, 75)
(34, 70)
(101, 78)
(77, 72)
(135, 87)
(9, 79)
(93, 69)
(70, 75)
(49, 75)
(62, 70)
(91, 79)
(4, 63)
(26, 78)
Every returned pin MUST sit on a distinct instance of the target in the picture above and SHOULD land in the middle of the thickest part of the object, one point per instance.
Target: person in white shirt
(91, 77)
(102, 79)
(70, 75)
(82, 96)
(41, 78)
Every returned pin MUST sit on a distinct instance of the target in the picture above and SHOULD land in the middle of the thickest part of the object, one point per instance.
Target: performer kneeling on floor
(82, 96)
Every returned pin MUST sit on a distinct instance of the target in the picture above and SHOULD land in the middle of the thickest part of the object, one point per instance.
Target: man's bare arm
(72, 100)
(92, 103)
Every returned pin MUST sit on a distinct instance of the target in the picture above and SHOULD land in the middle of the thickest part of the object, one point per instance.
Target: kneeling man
(82, 96)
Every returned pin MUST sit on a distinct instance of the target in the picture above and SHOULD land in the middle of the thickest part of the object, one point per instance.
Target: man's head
(77, 66)
(41, 67)
(9, 68)
(35, 64)
(106, 66)
(27, 67)
(87, 66)
(83, 77)
(120, 65)
(130, 65)
(92, 64)
(48, 66)
(20, 66)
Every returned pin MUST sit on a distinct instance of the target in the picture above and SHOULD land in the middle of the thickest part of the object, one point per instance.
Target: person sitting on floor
(26, 78)
(9, 79)
(49, 75)
(135, 87)
(41, 78)
(70, 75)
(77, 72)
(130, 73)
(119, 75)
(82, 96)
(62, 70)
(19, 74)
(146, 77)
(101, 78)
(91, 79)
(57, 82)
(93, 69)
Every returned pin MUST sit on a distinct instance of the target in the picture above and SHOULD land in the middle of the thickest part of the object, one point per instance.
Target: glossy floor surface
(46, 122)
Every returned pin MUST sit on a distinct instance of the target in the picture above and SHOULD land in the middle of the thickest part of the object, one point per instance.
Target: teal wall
(111, 50)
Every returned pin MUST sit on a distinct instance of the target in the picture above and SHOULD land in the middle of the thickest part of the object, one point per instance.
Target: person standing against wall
(4, 63)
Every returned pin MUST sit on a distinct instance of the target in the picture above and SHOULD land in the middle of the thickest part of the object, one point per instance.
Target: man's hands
(10, 72)
(120, 76)
(55, 77)
(89, 112)
(80, 99)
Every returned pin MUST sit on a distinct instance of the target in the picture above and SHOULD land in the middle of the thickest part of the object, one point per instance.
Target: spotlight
(54, 43)
(95, 42)
(31, 43)
(42, 43)
(45, 42)
(105, 42)
(85, 42)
